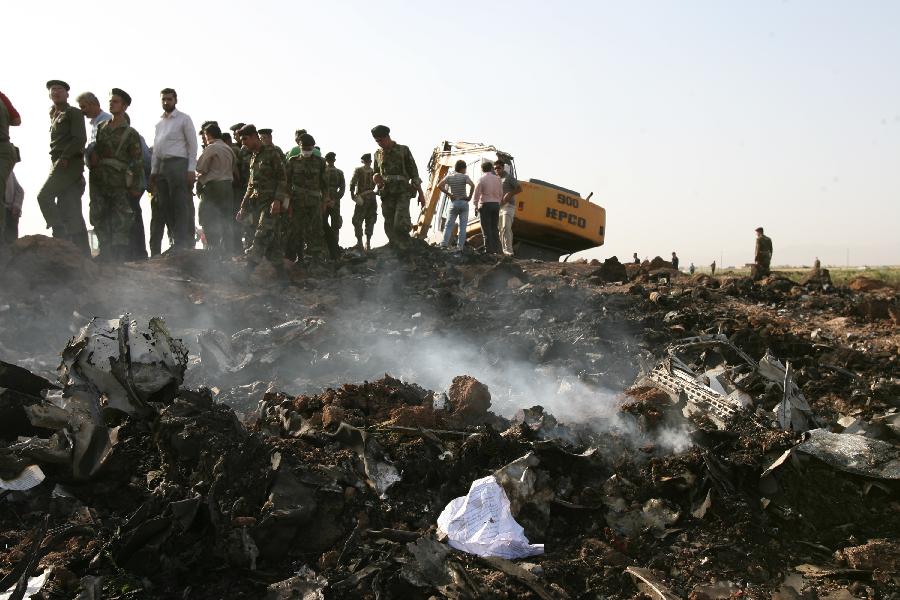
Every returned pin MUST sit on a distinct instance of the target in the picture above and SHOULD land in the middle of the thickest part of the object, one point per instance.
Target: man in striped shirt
(454, 185)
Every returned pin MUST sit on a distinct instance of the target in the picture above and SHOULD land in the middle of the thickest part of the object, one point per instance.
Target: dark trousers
(490, 227)
(157, 227)
(176, 201)
(10, 231)
(60, 202)
(216, 199)
(137, 241)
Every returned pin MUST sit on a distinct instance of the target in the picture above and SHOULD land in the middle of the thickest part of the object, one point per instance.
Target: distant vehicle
(551, 221)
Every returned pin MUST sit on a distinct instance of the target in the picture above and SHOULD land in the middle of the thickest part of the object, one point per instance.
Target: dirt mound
(470, 399)
(42, 260)
(866, 284)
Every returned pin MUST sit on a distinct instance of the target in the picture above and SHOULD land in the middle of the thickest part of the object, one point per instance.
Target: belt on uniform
(402, 178)
(310, 192)
(118, 165)
(165, 158)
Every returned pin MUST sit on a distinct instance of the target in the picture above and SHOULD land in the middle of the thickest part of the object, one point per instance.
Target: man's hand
(421, 198)
(191, 178)
(379, 180)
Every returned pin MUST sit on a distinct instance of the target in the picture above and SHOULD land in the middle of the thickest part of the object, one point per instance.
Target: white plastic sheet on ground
(34, 586)
(481, 523)
(30, 477)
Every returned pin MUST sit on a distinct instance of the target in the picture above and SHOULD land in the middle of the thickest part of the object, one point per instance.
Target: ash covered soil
(326, 420)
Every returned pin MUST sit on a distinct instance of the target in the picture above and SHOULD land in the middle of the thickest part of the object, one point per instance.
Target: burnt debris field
(443, 425)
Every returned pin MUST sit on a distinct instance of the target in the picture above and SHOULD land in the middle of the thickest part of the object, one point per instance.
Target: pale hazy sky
(692, 122)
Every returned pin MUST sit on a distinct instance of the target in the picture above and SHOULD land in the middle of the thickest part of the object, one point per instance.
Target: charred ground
(246, 479)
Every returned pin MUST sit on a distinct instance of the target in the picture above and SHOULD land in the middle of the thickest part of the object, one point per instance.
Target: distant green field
(839, 275)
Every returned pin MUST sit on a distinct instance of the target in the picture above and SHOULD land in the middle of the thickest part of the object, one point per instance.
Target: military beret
(307, 140)
(265, 131)
(330, 155)
(299, 132)
(236, 126)
(207, 124)
(366, 157)
(59, 82)
(759, 229)
(380, 131)
(248, 130)
(121, 94)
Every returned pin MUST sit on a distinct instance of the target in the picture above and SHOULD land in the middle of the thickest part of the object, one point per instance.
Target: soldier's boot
(359, 244)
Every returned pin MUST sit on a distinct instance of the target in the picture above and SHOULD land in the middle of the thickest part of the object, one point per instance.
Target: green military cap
(126, 98)
(330, 156)
(265, 131)
(380, 131)
(247, 130)
(307, 140)
(236, 126)
(366, 157)
(58, 82)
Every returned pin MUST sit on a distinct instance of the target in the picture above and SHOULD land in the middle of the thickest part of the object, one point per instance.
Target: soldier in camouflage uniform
(332, 221)
(243, 232)
(362, 190)
(118, 171)
(265, 136)
(305, 178)
(262, 204)
(397, 178)
(60, 197)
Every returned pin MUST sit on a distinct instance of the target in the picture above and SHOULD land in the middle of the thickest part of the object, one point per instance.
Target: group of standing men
(253, 197)
(494, 197)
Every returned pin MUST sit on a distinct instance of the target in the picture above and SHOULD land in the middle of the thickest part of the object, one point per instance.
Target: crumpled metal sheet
(853, 453)
(123, 361)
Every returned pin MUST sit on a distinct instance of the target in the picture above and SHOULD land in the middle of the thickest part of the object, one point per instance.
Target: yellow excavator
(551, 221)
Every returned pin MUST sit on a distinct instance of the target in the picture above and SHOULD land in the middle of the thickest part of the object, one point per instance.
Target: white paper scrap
(30, 477)
(481, 523)
(34, 586)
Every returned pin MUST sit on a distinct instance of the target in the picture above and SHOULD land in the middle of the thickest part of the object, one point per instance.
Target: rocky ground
(326, 420)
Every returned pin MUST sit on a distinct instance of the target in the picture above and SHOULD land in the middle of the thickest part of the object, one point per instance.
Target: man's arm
(203, 161)
(190, 137)
(14, 117)
(471, 185)
(476, 196)
(443, 186)
(354, 182)
(341, 188)
(413, 171)
(78, 133)
(136, 164)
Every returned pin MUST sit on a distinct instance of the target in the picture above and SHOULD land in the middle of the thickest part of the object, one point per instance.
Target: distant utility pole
(721, 259)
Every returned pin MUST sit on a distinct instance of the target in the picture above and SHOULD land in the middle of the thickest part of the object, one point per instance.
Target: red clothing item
(13, 113)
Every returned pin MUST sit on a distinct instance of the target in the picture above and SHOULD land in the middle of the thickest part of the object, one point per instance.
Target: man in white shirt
(172, 172)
